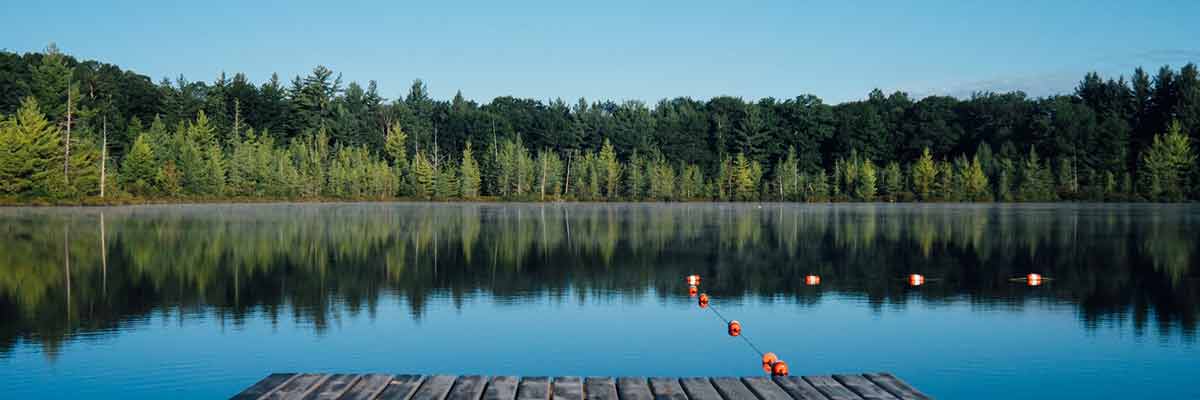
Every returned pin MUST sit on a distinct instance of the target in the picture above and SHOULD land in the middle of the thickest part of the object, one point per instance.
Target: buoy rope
(741, 335)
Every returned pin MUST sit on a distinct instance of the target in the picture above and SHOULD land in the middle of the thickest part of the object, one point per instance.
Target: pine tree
(893, 180)
(423, 177)
(635, 182)
(612, 170)
(976, 181)
(924, 174)
(139, 170)
(1166, 164)
(746, 183)
(865, 186)
(787, 174)
(394, 147)
(30, 153)
(1035, 179)
(469, 174)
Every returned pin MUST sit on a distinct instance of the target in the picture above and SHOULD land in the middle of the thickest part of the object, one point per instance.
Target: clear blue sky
(618, 50)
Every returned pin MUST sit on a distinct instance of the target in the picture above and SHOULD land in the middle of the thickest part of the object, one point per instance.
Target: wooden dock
(875, 386)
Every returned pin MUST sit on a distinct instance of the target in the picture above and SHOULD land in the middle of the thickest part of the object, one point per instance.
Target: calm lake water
(202, 301)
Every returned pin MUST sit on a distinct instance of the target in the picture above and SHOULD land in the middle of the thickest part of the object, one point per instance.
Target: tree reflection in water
(68, 273)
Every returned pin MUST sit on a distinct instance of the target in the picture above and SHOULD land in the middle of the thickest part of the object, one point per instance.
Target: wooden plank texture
(799, 388)
(733, 389)
(864, 387)
(333, 387)
(667, 389)
(260, 388)
(534, 388)
(434, 388)
(468, 387)
(831, 388)
(633, 388)
(401, 387)
(501, 388)
(896, 387)
(568, 388)
(765, 388)
(368, 387)
(699, 389)
(295, 388)
(600, 388)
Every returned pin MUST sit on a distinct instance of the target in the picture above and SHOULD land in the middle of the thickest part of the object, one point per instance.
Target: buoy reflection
(812, 280)
(916, 279)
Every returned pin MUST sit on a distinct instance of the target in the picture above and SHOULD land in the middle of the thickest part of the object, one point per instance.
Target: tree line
(72, 130)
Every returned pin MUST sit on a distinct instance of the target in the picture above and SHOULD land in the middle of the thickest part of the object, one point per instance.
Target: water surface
(201, 301)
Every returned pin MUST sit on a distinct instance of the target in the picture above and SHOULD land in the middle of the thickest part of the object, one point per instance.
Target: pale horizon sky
(622, 50)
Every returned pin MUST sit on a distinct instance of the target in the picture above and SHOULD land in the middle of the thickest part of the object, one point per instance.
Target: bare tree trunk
(567, 184)
(103, 257)
(543, 185)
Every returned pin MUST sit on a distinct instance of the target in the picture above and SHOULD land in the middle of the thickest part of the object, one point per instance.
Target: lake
(200, 301)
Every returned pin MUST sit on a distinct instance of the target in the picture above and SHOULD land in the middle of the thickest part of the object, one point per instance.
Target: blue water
(202, 301)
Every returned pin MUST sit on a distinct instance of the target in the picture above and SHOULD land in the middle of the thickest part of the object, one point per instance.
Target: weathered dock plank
(263, 386)
(368, 387)
(863, 387)
(434, 388)
(831, 388)
(667, 389)
(765, 388)
(401, 387)
(733, 389)
(535, 388)
(501, 388)
(633, 388)
(896, 387)
(568, 388)
(799, 388)
(333, 387)
(600, 388)
(468, 387)
(870, 386)
(699, 389)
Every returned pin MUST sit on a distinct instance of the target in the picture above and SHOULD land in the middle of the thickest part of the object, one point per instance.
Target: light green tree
(1165, 165)
(469, 174)
(924, 174)
(139, 169)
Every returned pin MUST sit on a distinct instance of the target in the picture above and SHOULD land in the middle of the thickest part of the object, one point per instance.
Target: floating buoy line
(771, 362)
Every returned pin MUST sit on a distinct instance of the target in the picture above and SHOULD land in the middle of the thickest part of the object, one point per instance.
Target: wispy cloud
(1059, 81)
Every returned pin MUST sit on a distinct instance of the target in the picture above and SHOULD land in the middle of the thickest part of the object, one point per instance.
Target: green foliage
(469, 174)
(924, 173)
(423, 177)
(1164, 166)
(139, 171)
(864, 189)
(612, 170)
(893, 180)
(1035, 179)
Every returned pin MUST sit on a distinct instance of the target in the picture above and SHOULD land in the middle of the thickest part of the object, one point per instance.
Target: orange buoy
(812, 280)
(769, 359)
(767, 368)
(735, 328)
(693, 280)
(1033, 279)
(703, 300)
(779, 368)
(916, 279)
(692, 291)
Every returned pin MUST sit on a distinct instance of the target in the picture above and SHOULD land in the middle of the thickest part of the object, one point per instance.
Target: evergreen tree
(865, 187)
(893, 180)
(469, 174)
(976, 181)
(1165, 165)
(30, 154)
(612, 170)
(139, 170)
(1035, 179)
(635, 181)
(746, 183)
(423, 177)
(924, 174)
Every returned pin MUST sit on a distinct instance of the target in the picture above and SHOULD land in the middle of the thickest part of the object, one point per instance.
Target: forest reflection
(65, 273)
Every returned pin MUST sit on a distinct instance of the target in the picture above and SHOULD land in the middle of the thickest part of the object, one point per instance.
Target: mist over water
(203, 300)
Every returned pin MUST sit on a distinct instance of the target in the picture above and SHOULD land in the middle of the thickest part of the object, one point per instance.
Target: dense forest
(78, 131)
